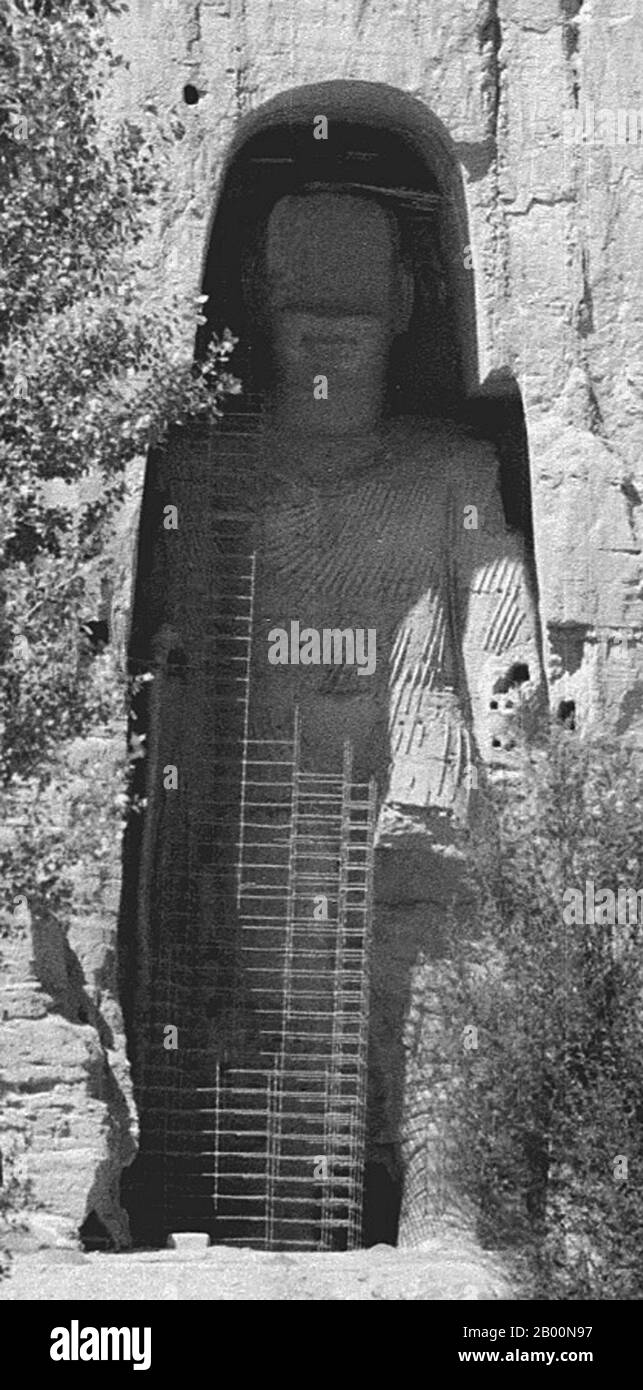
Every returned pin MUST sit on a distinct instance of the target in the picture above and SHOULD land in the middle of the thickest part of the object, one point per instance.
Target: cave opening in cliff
(268, 1107)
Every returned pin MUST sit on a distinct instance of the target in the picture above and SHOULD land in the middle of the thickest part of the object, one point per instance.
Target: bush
(545, 1044)
(95, 363)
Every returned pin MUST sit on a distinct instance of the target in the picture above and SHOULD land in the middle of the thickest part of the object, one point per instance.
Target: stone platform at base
(432, 1273)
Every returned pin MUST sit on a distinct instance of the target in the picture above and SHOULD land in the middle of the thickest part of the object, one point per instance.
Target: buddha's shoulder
(439, 450)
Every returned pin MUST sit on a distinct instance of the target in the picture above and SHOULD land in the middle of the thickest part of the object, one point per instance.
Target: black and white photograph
(321, 668)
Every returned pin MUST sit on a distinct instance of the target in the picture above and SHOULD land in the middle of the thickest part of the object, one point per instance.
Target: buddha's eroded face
(337, 296)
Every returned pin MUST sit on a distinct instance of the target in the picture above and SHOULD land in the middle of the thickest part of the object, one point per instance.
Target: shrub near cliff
(545, 1033)
(93, 370)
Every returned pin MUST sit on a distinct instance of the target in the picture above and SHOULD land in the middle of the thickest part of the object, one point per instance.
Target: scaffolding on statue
(255, 1123)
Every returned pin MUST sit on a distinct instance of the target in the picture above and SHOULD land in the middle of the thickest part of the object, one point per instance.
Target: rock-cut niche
(334, 637)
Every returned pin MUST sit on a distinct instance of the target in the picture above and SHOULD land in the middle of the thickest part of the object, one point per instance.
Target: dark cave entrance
(430, 375)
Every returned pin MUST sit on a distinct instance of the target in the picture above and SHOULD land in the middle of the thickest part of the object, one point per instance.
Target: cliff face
(67, 1119)
(68, 1124)
(537, 104)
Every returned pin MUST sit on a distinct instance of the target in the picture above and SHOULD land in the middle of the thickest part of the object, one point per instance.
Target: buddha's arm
(499, 625)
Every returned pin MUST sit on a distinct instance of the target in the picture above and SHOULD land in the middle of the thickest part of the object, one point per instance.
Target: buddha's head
(337, 295)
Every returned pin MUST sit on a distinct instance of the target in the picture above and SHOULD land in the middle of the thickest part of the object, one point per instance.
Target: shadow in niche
(499, 417)
(426, 378)
(425, 372)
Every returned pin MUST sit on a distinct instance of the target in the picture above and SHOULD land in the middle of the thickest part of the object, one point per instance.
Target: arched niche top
(426, 145)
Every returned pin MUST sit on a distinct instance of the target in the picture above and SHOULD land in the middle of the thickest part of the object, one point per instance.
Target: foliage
(59, 847)
(546, 1044)
(95, 363)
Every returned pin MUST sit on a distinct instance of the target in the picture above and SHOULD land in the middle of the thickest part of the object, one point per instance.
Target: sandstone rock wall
(67, 1120)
